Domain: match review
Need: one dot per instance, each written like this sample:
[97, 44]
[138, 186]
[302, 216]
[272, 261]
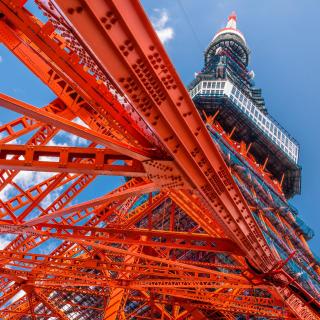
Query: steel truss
[184, 237]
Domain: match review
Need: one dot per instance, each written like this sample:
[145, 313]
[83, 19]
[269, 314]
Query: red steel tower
[199, 229]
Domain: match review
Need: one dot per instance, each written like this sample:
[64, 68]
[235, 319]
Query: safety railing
[264, 122]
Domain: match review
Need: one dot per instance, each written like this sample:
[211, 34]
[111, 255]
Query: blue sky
[284, 40]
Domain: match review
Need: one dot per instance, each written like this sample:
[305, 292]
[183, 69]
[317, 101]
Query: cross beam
[144, 237]
[89, 161]
[64, 124]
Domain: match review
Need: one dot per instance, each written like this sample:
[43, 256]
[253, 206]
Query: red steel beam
[71, 127]
[30, 260]
[118, 194]
[90, 161]
[136, 56]
[41, 137]
[137, 60]
[80, 90]
[79, 212]
[144, 237]
[49, 28]
[17, 128]
[186, 142]
[157, 276]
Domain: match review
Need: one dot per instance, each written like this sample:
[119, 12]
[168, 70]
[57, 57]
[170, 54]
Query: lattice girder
[179, 240]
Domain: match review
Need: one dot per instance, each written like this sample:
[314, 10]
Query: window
[286, 141]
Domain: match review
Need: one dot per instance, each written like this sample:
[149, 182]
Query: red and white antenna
[231, 27]
[232, 21]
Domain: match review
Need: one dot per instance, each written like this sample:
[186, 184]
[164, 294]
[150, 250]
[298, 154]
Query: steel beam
[90, 161]
[144, 237]
[71, 127]
[135, 55]
[56, 65]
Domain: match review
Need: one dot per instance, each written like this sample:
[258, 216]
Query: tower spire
[232, 21]
[231, 28]
[229, 37]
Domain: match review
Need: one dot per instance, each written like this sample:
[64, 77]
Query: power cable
[191, 26]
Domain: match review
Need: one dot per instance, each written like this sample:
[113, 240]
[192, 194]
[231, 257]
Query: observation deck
[270, 140]
[265, 123]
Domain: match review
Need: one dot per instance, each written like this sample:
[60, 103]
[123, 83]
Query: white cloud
[6, 193]
[14, 141]
[26, 179]
[65, 139]
[75, 140]
[159, 22]
[5, 239]
[3, 243]
[80, 122]
[54, 143]
[72, 140]
[16, 297]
